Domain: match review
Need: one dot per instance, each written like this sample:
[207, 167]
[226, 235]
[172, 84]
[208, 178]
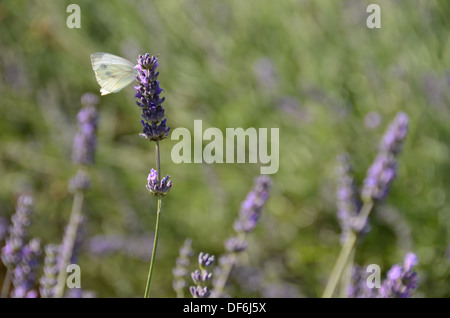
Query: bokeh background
[310, 68]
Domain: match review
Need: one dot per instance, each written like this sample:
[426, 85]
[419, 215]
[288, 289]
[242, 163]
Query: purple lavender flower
[348, 203]
[246, 222]
[252, 206]
[384, 168]
[202, 276]
[149, 100]
[18, 231]
[401, 280]
[24, 275]
[85, 142]
[158, 189]
[181, 269]
[358, 287]
[392, 141]
[199, 292]
[49, 279]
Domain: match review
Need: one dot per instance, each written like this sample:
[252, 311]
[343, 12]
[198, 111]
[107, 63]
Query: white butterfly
[113, 72]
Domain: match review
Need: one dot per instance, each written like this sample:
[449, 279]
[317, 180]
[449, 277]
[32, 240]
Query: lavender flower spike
[156, 189]
[384, 168]
[252, 206]
[24, 275]
[181, 269]
[348, 203]
[149, 100]
[49, 279]
[85, 142]
[202, 276]
[18, 231]
[401, 280]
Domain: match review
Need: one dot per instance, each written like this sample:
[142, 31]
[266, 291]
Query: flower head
[401, 280]
[384, 168]
[85, 141]
[148, 92]
[18, 231]
[161, 188]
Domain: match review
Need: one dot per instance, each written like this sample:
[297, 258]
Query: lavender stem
[346, 251]
[158, 212]
[69, 242]
[6, 283]
[155, 243]
[220, 284]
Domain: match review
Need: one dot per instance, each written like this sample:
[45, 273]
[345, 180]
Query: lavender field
[342, 187]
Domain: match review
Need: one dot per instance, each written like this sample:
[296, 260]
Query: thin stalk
[6, 283]
[155, 243]
[69, 242]
[346, 252]
[158, 213]
[226, 270]
[347, 277]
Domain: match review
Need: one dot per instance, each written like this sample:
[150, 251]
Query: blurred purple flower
[85, 141]
[149, 100]
[49, 279]
[252, 206]
[348, 202]
[18, 231]
[24, 275]
[401, 280]
[358, 287]
[384, 168]
[81, 182]
[136, 247]
[180, 271]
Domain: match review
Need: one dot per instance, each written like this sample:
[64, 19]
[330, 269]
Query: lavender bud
[205, 260]
[199, 292]
[401, 280]
[85, 142]
[156, 189]
[202, 276]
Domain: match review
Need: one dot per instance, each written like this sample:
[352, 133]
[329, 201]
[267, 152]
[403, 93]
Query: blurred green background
[310, 68]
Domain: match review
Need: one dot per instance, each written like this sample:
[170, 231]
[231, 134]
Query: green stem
[69, 242]
[347, 276]
[158, 212]
[346, 252]
[6, 283]
[158, 161]
[155, 243]
[222, 280]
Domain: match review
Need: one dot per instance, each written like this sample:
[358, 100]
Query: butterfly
[112, 72]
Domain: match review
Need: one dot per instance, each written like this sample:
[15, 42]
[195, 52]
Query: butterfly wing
[112, 72]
